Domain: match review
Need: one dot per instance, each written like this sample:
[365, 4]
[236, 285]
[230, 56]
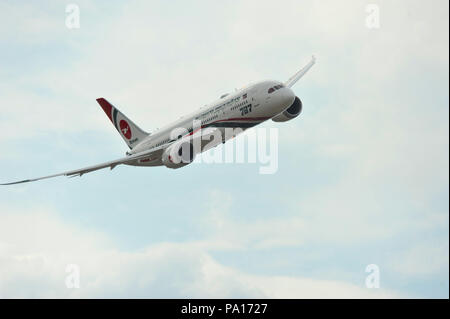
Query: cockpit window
[276, 87]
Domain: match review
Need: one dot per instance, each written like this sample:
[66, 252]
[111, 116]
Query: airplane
[176, 144]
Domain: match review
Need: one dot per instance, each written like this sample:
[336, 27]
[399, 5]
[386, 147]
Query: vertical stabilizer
[130, 132]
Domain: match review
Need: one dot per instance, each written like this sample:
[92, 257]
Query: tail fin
[130, 132]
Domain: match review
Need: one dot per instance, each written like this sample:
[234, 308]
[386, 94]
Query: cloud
[36, 246]
[156, 66]
[367, 159]
[33, 23]
[423, 259]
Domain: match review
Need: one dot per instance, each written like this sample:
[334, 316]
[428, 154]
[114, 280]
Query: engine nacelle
[179, 154]
[290, 113]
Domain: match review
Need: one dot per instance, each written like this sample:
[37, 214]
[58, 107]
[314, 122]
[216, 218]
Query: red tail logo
[125, 129]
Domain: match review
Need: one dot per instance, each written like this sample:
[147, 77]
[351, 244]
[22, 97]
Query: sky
[362, 173]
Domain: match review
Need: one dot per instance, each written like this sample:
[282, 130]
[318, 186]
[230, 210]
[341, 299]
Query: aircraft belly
[156, 162]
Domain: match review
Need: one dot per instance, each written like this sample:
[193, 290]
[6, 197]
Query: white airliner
[176, 144]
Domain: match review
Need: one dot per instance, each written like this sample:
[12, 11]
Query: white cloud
[155, 75]
[36, 247]
[423, 259]
[28, 23]
[394, 151]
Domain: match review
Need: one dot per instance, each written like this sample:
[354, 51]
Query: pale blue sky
[363, 172]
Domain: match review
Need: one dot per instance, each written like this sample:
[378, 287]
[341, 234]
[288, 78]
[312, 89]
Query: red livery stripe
[245, 119]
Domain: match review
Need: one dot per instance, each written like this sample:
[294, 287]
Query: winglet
[293, 79]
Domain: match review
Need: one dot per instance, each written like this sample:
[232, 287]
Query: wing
[79, 172]
[293, 79]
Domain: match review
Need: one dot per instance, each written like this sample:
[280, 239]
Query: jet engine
[290, 113]
[179, 154]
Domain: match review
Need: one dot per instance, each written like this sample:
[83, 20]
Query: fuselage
[243, 109]
[177, 144]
